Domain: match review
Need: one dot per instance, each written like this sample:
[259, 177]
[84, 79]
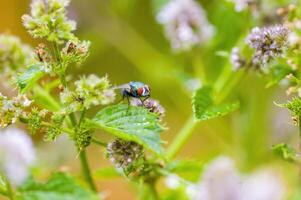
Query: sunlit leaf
[26, 80]
[131, 123]
[59, 187]
[205, 108]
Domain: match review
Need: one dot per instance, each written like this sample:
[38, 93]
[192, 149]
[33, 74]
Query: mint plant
[50, 101]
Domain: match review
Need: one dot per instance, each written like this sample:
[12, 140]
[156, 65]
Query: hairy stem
[83, 158]
[86, 170]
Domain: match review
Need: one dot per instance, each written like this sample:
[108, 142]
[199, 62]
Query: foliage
[60, 186]
[212, 53]
[132, 124]
[205, 108]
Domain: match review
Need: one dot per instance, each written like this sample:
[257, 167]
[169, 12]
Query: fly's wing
[121, 87]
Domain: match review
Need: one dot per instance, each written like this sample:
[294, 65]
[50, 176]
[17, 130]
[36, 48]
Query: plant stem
[149, 192]
[187, 130]
[181, 138]
[10, 192]
[299, 150]
[94, 140]
[83, 158]
[86, 170]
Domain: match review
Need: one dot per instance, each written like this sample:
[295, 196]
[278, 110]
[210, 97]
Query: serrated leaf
[26, 80]
[131, 123]
[204, 107]
[59, 187]
[285, 152]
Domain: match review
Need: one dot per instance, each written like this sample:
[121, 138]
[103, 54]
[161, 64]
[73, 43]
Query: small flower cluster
[57, 120]
[34, 119]
[83, 136]
[16, 155]
[75, 52]
[268, 43]
[12, 108]
[124, 153]
[185, 24]
[14, 55]
[151, 104]
[48, 20]
[89, 91]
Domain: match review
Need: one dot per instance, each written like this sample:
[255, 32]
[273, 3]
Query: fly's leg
[129, 105]
[143, 100]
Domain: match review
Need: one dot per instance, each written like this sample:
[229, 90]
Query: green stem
[198, 65]
[86, 170]
[149, 192]
[83, 158]
[94, 140]
[10, 192]
[299, 150]
[187, 130]
[181, 138]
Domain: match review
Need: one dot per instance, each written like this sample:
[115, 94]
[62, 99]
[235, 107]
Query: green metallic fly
[135, 89]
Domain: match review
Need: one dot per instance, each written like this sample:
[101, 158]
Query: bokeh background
[128, 44]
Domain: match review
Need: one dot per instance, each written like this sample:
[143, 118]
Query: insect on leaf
[131, 123]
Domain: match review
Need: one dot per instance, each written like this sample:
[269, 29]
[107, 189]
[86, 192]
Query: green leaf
[59, 187]
[131, 123]
[108, 172]
[293, 105]
[26, 80]
[277, 73]
[204, 107]
[285, 152]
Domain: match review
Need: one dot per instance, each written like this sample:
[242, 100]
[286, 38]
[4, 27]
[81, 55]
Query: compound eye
[140, 91]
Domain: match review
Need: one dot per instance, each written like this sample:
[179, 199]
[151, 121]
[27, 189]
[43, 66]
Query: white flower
[16, 154]
[172, 181]
[263, 185]
[185, 24]
[222, 181]
[241, 5]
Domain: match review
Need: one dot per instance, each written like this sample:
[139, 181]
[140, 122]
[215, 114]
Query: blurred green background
[128, 44]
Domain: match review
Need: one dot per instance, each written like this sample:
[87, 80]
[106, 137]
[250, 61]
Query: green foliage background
[128, 44]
